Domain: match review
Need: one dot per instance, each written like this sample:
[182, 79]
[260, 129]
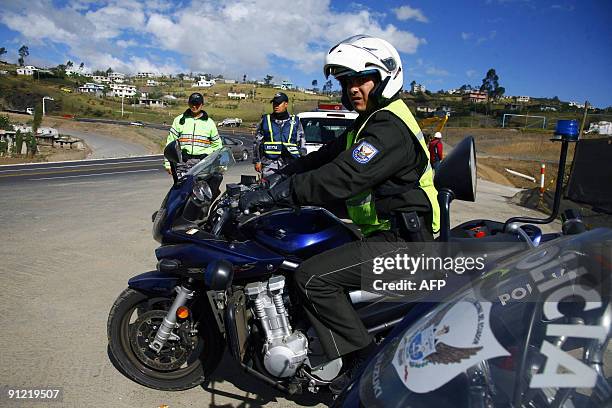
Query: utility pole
[122, 97]
[584, 116]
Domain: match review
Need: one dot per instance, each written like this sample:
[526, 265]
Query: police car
[324, 124]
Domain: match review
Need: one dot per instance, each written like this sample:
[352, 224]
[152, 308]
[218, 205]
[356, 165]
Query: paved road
[69, 247]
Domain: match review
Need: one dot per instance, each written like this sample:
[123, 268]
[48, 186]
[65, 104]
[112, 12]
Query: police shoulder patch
[364, 152]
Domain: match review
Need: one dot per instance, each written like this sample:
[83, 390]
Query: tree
[5, 124]
[2, 51]
[490, 83]
[97, 72]
[31, 144]
[81, 65]
[23, 52]
[244, 78]
[268, 79]
[37, 119]
[499, 92]
[314, 83]
[109, 71]
[69, 64]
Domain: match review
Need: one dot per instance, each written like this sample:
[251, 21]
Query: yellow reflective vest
[361, 208]
[195, 136]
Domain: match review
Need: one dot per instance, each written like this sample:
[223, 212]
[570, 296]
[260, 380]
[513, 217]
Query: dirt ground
[150, 138]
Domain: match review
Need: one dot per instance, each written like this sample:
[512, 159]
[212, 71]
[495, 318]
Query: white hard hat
[438, 135]
[365, 54]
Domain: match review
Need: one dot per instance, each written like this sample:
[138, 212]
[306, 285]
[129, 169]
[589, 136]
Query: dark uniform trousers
[324, 282]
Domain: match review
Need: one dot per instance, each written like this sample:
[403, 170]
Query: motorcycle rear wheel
[181, 365]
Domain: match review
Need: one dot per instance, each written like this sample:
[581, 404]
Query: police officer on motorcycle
[380, 167]
[195, 132]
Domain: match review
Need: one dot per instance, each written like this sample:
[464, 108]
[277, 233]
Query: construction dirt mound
[530, 198]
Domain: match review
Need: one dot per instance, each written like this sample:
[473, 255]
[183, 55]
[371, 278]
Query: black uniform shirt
[391, 167]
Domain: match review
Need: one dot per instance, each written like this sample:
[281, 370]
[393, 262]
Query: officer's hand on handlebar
[252, 199]
[279, 194]
[273, 180]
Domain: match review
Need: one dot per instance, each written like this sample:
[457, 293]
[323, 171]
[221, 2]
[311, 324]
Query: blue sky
[538, 48]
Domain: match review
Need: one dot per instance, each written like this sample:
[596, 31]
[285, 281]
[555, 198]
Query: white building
[122, 90]
[27, 70]
[416, 88]
[91, 88]
[453, 91]
[146, 75]
[203, 84]
[236, 95]
[523, 99]
[116, 75]
[152, 82]
[101, 79]
[152, 102]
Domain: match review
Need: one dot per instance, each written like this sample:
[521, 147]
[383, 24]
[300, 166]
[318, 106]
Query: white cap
[438, 135]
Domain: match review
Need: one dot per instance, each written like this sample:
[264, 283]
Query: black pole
[558, 192]
[445, 197]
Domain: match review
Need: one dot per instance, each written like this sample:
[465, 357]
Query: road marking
[161, 156]
[83, 165]
[91, 175]
[42, 173]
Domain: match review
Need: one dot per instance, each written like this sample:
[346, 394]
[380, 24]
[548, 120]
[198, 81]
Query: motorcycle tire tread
[128, 299]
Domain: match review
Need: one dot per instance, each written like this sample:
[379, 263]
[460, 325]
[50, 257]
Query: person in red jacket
[436, 150]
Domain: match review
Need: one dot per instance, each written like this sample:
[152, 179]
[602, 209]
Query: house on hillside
[236, 95]
[101, 79]
[116, 75]
[474, 97]
[522, 99]
[152, 82]
[417, 88]
[146, 75]
[203, 83]
[95, 89]
[155, 103]
[425, 109]
[27, 70]
[122, 90]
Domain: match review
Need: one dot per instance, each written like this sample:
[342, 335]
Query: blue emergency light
[567, 130]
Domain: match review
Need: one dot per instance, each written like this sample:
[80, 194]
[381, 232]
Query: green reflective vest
[361, 208]
[195, 136]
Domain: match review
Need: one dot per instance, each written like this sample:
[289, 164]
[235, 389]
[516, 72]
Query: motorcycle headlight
[202, 191]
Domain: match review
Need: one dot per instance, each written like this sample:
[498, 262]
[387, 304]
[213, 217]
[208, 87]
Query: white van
[325, 124]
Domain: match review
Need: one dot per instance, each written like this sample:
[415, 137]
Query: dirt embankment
[501, 149]
[151, 139]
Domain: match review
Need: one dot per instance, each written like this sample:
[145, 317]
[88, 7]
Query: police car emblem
[364, 152]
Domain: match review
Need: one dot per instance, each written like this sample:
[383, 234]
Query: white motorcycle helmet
[362, 54]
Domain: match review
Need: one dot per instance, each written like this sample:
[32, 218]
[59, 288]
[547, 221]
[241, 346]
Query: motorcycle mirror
[172, 152]
[457, 172]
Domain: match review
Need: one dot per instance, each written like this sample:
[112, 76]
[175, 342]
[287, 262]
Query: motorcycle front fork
[164, 332]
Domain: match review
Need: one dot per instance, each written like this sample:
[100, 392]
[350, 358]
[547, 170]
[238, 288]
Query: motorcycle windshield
[534, 332]
[217, 162]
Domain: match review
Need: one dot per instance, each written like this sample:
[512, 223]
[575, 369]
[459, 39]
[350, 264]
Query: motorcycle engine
[284, 350]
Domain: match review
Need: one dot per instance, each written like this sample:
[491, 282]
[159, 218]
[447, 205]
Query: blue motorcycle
[224, 279]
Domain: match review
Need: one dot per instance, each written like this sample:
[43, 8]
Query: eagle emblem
[364, 152]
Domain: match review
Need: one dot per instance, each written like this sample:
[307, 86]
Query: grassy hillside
[19, 92]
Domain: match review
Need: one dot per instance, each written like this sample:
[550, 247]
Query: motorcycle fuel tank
[299, 233]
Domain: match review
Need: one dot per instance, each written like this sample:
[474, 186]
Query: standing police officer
[381, 168]
[277, 131]
[195, 132]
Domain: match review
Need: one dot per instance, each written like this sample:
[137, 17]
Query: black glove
[279, 194]
[273, 180]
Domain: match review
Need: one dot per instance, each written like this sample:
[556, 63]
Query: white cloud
[436, 71]
[470, 73]
[491, 36]
[231, 37]
[466, 36]
[408, 13]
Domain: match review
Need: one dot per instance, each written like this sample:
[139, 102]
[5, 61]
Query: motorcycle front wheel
[185, 361]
